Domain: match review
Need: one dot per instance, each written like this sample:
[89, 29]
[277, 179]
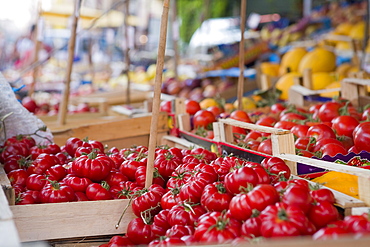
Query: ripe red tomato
[178, 231]
[305, 143]
[203, 118]
[129, 167]
[323, 213]
[19, 148]
[30, 104]
[292, 116]
[170, 199]
[148, 200]
[323, 141]
[71, 145]
[281, 220]
[185, 214]
[21, 138]
[216, 110]
[344, 125]
[330, 232]
[215, 197]
[192, 106]
[95, 191]
[167, 242]
[14, 162]
[287, 125]
[322, 194]
[140, 232]
[217, 228]
[116, 241]
[300, 130]
[357, 223]
[332, 149]
[276, 167]
[36, 182]
[277, 108]
[76, 183]
[24, 199]
[361, 136]
[166, 106]
[319, 131]
[240, 179]
[265, 146]
[266, 121]
[140, 177]
[18, 176]
[251, 227]
[93, 166]
[166, 164]
[54, 192]
[329, 110]
[242, 116]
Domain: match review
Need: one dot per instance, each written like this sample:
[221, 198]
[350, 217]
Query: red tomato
[344, 125]
[166, 242]
[56, 172]
[263, 176]
[361, 136]
[24, 199]
[265, 146]
[71, 145]
[140, 232]
[178, 231]
[77, 184]
[203, 118]
[124, 190]
[36, 182]
[42, 163]
[282, 220]
[322, 194]
[305, 143]
[166, 106]
[117, 241]
[217, 228]
[21, 138]
[239, 179]
[54, 192]
[267, 121]
[192, 190]
[323, 213]
[319, 131]
[332, 149]
[160, 223]
[292, 116]
[276, 167]
[329, 110]
[287, 125]
[300, 130]
[277, 108]
[185, 214]
[93, 166]
[14, 162]
[19, 148]
[242, 116]
[298, 196]
[215, 197]
[216, 110]
[95, 191]
[166, 164]
[140, 177]
[251, 227]
[192, 106]
[170, 199]
[357, 223]
[115, 178]
[330, 232]
[148, 200]
[18, 176]
[323, 141]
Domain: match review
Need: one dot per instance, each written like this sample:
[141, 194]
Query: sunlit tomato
[140, 231]
[332, 149]
[357, 223]
[242, 116]
[35, 182]
[98, 191]
[292, 116]
[251, 227]
[266, 121]
[216, 110]
[166, 106]
[330, 232]
[185, 214]
[299, 196]
[277, 168]
[217, 228]
[240, 179]
[192, 106]
[323, 213]
[93, 166]
[215, 197]
[287, 125]
[148, 200]
[329, 110]
[71, 145]
[344, 125]
[18, 176]
[178, 231]
[203, 118]
[323, 141]
[265, 146]
[300, 130]
[319, 131]
[361, 136]
[305, 143]
[54, 192]
[253, 135]
[277, 108]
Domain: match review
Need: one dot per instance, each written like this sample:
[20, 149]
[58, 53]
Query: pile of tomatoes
[196, 196]
[329, 128]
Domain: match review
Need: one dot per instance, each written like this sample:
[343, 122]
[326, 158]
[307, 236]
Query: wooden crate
[8, 232]
[91, 218]
[283, 147]
[356, 91]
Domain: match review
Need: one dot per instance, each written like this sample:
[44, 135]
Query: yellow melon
[344, 28]
[358, 31]
[291, 60]
[285, 82]
[342, 70]
[343, 45]
[318, 60]
[271, 69]
[335, 84]
[320, 80]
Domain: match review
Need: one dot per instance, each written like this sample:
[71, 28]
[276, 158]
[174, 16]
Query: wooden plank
[284, 144]
[8, 232]
[184, 122]
[73, 219]
[360, 210]
[174, 141]
[250, 126]
[362, 174]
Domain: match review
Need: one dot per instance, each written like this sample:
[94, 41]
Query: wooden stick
[38, 42]
[127, 53]
[71, 51]
[241, 54]
[175, 38]
[157, 94]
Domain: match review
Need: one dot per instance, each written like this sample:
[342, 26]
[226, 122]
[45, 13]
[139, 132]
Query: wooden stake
[71, 52]
[157, 94]
[38, 43]
[243, 10]
[127, 53]
[175, 37]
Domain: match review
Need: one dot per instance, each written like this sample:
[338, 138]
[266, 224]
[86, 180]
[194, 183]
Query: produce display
[196, 196]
